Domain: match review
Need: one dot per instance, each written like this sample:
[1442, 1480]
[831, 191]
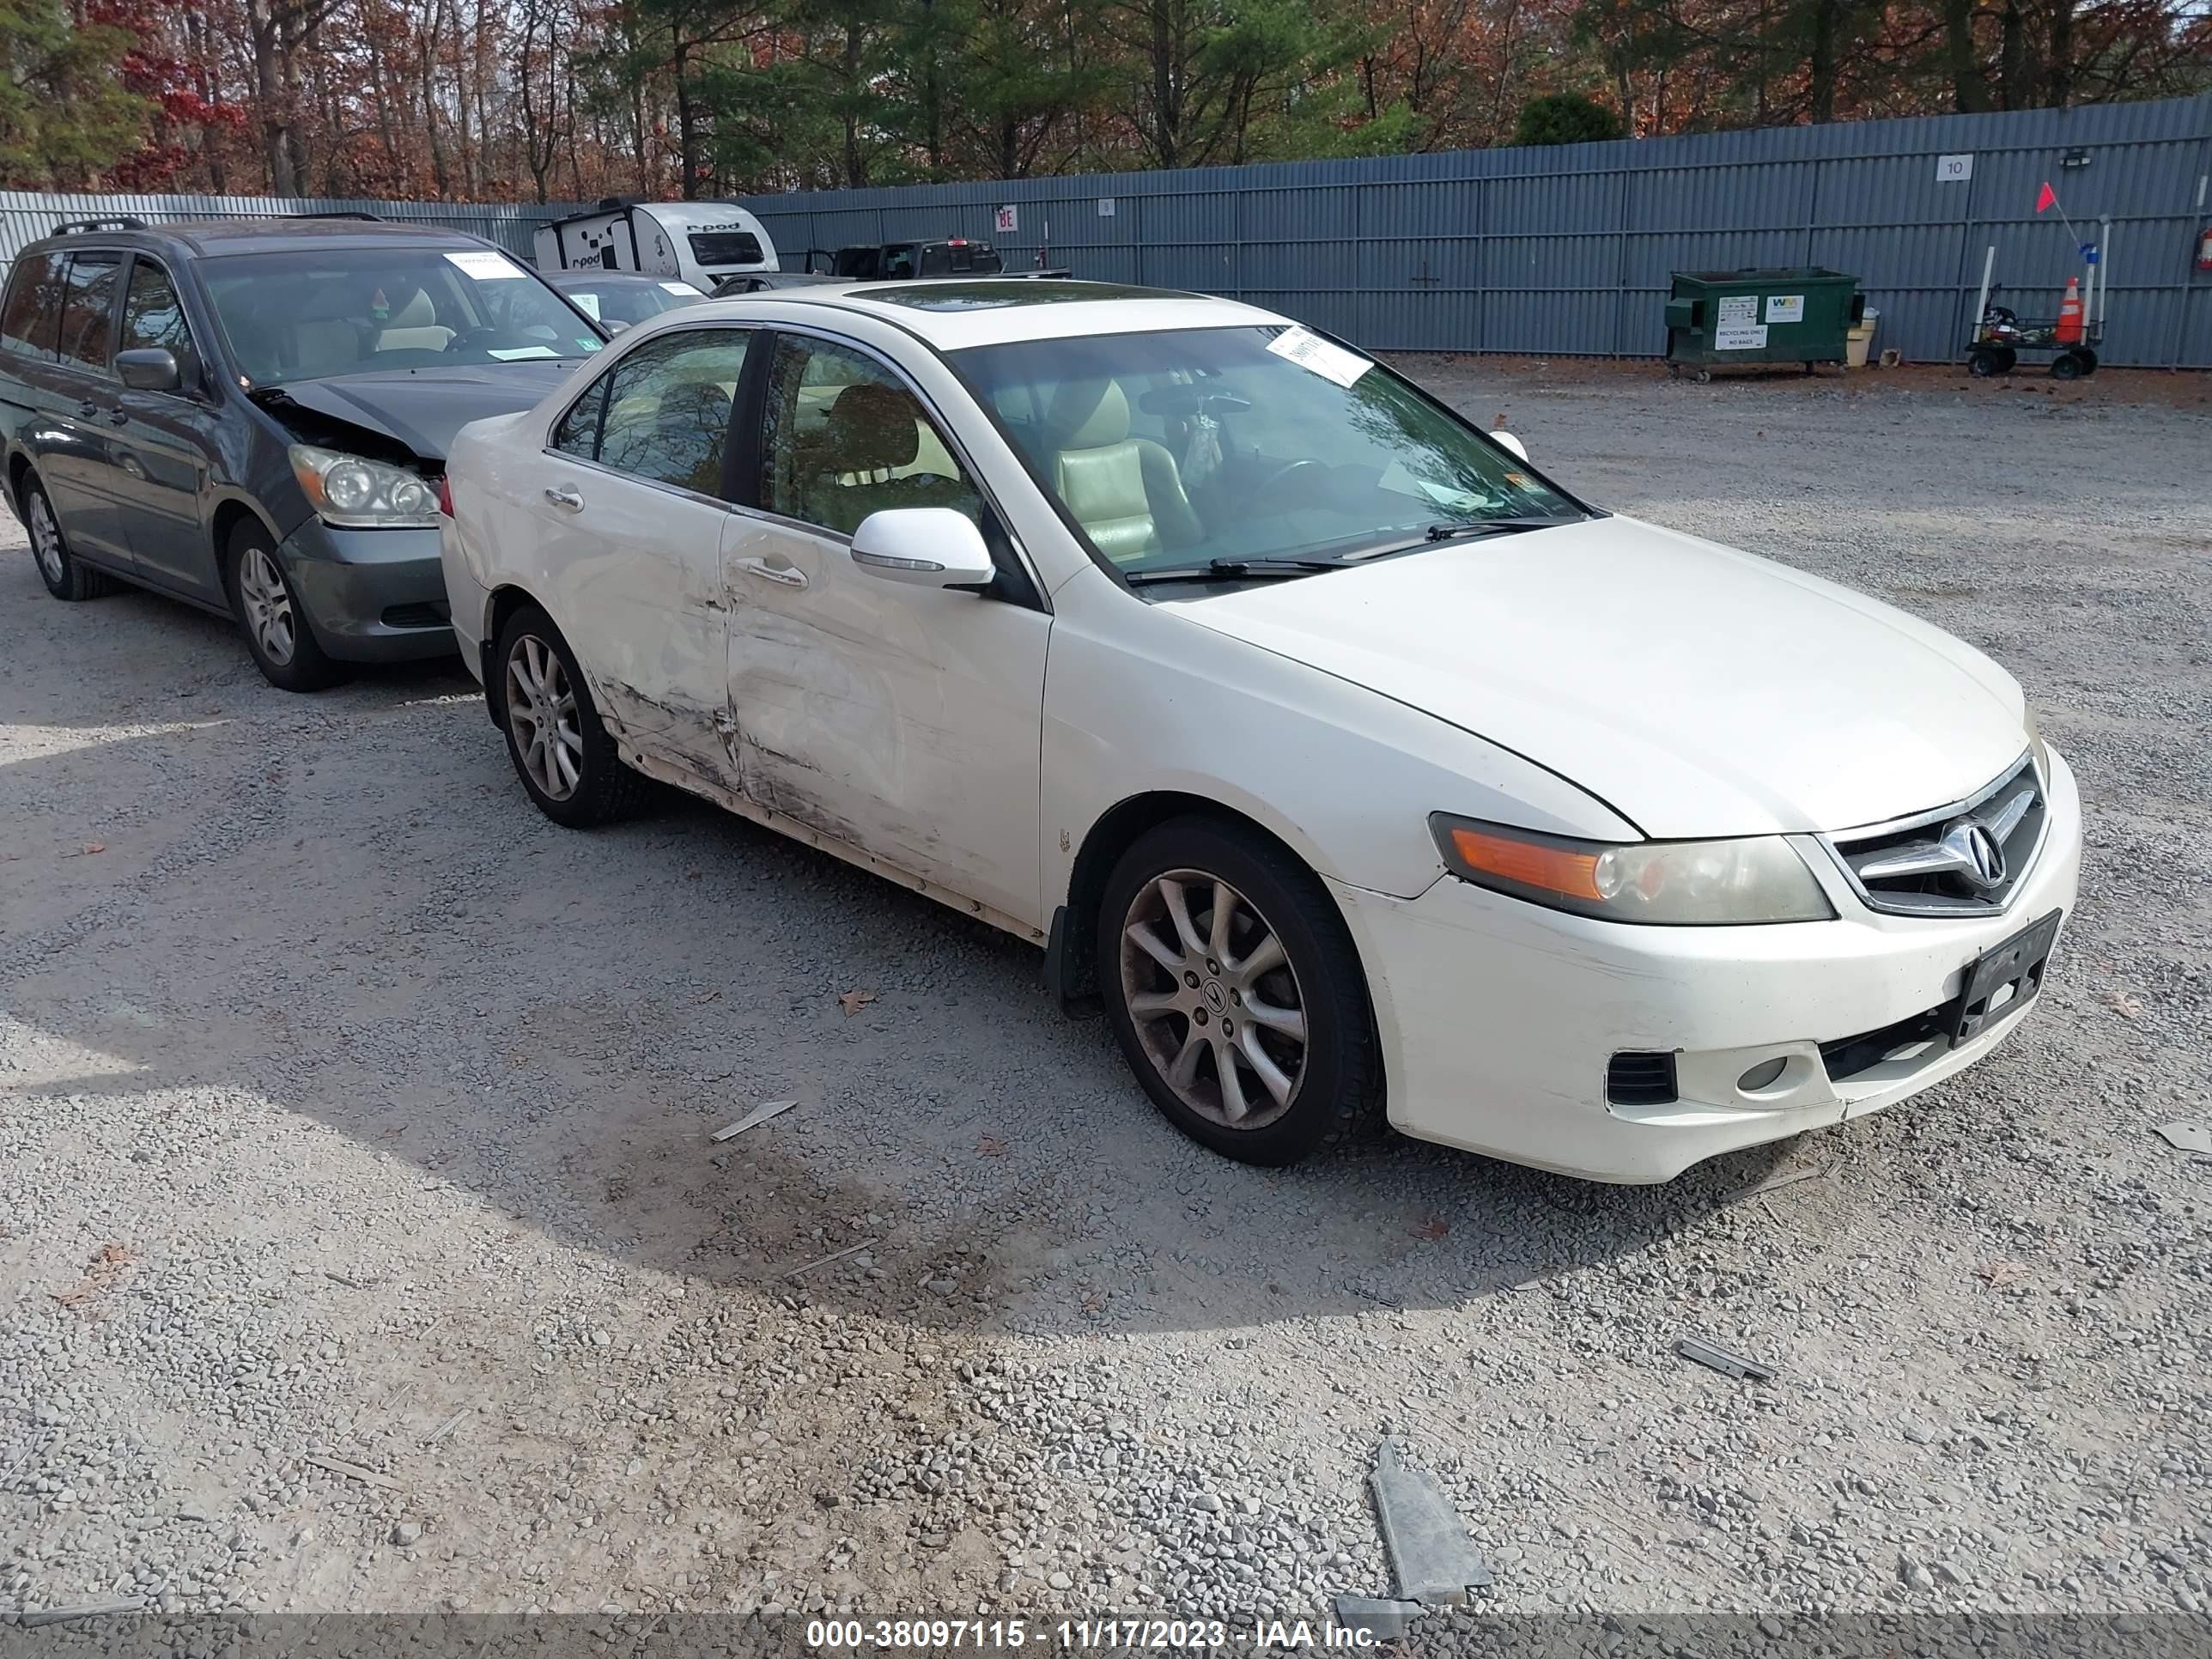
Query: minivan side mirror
[1507, 441]
[150, 369]
[924, 546]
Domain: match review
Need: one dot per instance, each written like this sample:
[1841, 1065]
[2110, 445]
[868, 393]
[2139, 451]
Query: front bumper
[370, 595]
[1497, 1018]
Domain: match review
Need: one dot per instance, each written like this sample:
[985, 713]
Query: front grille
[1962, 860]
[1640, 1079]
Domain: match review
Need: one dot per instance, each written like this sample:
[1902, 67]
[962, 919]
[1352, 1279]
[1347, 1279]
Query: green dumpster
[1787, 314]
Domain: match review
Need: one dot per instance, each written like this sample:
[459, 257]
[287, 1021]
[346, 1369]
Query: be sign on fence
[1954, 169]
[1009, 221]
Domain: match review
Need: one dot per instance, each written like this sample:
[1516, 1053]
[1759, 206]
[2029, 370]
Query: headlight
[2038, 750]
[1683, 883]
[358, 494]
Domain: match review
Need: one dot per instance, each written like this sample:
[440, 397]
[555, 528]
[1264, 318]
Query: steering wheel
[1289, 470]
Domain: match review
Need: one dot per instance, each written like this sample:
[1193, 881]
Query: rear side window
[726, 247]
[151, 315]
[87, 332]
[668, 408]
[577, 434]
[28, 315]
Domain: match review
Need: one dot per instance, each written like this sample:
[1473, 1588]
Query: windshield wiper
[1213, 567]
[1453, 529]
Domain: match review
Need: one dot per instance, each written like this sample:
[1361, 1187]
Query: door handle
[119, 417]
[789, 575]
[88, 408]
[566, 499]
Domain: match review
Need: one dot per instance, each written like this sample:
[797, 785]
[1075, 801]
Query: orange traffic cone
[2069, 314]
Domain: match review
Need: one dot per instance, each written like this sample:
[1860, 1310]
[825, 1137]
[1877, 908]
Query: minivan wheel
[66, 577]
[1234, 990]
[555, 737]
[270, 614]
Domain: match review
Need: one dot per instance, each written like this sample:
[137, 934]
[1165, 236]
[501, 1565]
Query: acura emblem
[1975, 854]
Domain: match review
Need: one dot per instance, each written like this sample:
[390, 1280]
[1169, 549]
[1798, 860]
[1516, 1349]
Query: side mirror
[150, 369]
[1507, 441]
[924, 546]
[616, 325]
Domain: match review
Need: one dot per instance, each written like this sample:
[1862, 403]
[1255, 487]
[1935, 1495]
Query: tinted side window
[88, 308]
[668, 408]
[844, 438]
[578, 433]
[151, 314]
[33, 303]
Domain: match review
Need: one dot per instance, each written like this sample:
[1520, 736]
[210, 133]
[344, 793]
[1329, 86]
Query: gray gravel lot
[353, 1119]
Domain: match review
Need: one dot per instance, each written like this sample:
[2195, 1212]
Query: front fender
[1139, 700]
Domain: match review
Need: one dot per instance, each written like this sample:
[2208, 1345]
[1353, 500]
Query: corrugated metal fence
[1556, 251]
[1567, 251]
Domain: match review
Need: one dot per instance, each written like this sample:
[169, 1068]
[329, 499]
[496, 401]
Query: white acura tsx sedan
[1349, 761]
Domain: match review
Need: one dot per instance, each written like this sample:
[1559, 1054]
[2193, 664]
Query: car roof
[952, 313]
[213, 238]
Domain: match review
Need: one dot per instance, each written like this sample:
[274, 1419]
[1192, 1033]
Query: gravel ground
[361, 1246]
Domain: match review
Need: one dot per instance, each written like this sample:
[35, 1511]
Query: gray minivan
[253, 415]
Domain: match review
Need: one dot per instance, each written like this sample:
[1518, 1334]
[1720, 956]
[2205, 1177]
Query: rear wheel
[270, 616]
[2067, 366]
[66, 576]
[1234, 990]
[560, 748]
[1986, 363]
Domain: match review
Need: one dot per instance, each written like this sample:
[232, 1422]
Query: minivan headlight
[358, 494]
[1759, 879]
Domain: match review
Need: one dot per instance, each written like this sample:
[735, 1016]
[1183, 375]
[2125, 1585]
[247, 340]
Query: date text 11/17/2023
[1105, 1634]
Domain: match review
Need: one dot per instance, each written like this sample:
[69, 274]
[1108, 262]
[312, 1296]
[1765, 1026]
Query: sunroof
[997, 296]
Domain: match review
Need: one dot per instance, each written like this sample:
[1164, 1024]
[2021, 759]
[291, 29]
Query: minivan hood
[422, 407]
[1696, 689]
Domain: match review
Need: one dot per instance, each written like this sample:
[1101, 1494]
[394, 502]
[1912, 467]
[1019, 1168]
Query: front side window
[87, 322]
[31, 311]
[1175, 449]
[151, 315]
[306, 316]
[844, 438]
[667, 416]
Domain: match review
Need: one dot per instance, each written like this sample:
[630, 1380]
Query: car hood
[1696, 689]
[422, 407]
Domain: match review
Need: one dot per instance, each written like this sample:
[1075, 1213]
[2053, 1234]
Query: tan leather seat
[868, 460]
[1125, 492]
[413, 327]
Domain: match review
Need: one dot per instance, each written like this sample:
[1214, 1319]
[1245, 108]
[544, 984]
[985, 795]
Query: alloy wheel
[541, 714]
[268, 605]
[1215, 1003]
[45, 536]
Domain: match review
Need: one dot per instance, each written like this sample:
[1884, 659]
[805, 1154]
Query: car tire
[1182, 997]
[554, 737]
[269, 613]
[66, 576]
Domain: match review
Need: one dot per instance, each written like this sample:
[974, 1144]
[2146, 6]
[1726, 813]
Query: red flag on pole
[2049, 198]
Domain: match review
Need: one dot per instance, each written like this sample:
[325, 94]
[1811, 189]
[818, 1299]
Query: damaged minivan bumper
[1500, 1021]
[371, 595]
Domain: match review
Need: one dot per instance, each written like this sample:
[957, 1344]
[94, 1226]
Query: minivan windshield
[1205, 449]
[306, 316]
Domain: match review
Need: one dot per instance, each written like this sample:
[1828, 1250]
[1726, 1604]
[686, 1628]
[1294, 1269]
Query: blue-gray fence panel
[1565, 251]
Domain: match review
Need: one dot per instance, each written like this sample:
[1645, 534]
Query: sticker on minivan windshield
[486, 266]
[1310, 352]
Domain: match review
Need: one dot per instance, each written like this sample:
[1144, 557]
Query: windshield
[630, 302]
[1175, 449]
[306, 316]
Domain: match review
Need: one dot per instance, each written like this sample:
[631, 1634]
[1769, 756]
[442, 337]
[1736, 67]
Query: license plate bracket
[2001, 978]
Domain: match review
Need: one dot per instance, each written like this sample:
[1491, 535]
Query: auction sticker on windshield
[1310, 352]
[487, 266]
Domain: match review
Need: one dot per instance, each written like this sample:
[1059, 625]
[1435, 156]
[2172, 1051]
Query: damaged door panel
[904, 720]
[629, 534]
